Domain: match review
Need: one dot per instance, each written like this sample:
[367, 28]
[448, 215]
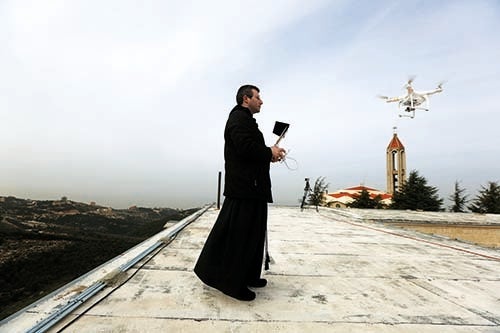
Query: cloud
[126, 102]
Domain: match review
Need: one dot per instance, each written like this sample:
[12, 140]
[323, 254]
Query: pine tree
[317, 196]
[458, 198]
[363, 200]
[488, 199]
[416, 194]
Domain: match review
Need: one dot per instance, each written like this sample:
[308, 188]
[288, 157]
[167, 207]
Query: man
[231, 260]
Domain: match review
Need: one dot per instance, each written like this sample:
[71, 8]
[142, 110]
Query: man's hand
[278, 153]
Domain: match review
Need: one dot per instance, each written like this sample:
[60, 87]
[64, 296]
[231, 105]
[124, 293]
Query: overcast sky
[124, 102]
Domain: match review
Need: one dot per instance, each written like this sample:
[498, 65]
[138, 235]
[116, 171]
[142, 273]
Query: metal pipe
[50, 321]
[57, 316]
[140, 256]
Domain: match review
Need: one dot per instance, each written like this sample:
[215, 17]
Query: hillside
[45, 244]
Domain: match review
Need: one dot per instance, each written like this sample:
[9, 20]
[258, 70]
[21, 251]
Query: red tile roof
[360, 188]
[395, 143]
[339, 195]
[353, 192]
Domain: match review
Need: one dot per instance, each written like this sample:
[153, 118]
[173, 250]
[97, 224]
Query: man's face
[254, 103]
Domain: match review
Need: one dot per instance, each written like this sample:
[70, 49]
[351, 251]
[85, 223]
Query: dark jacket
[247, 158]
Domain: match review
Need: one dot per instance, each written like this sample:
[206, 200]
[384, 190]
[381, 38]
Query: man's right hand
[278, 153]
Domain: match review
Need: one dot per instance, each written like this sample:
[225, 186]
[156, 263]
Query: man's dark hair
[245, 90]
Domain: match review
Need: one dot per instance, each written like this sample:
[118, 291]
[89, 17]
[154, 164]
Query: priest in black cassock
[231, 260]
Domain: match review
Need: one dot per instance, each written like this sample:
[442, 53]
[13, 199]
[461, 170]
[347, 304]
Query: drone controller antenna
[280, 137]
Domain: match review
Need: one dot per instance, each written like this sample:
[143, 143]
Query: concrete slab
[333, 271]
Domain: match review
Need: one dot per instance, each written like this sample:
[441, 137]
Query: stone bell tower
[396, 164]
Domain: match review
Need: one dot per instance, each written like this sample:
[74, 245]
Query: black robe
[232, 255]
[247, 158]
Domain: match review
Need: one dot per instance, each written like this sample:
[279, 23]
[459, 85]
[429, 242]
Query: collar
[244, 109]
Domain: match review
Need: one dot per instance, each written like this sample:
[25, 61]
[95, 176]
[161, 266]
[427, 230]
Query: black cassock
[233, 253]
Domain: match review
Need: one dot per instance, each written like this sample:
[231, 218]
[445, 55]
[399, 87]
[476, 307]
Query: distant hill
[45, 244]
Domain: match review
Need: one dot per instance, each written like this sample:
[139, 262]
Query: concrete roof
[333, 271]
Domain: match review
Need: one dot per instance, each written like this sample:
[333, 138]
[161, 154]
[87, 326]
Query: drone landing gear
[412, 110]
[408, 109]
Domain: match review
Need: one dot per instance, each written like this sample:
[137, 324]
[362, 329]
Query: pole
[218, 190]
[306, 191]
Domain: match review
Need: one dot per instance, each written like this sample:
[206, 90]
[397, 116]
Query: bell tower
[396, 164]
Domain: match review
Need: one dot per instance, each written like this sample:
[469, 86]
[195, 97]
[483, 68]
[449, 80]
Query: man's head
[249, 97]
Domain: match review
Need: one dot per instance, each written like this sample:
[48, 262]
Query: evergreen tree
[317, 196]
[488, 199]
[416, 194]
[378, 202]
[458, 198]
[362, 200]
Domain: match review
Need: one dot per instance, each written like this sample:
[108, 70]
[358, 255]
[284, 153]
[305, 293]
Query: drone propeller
[440, 84]
[411, 78]
[383, 97]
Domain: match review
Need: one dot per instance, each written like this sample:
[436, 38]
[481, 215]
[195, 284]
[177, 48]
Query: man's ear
[245, 99]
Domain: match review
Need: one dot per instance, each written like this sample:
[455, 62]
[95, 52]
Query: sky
[124, 102]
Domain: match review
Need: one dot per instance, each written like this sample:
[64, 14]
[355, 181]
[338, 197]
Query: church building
[396, 176]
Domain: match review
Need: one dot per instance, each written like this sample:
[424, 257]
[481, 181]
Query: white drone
[413, 100]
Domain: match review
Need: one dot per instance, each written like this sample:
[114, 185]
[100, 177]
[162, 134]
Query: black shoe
[244, 294]
[258, 283]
